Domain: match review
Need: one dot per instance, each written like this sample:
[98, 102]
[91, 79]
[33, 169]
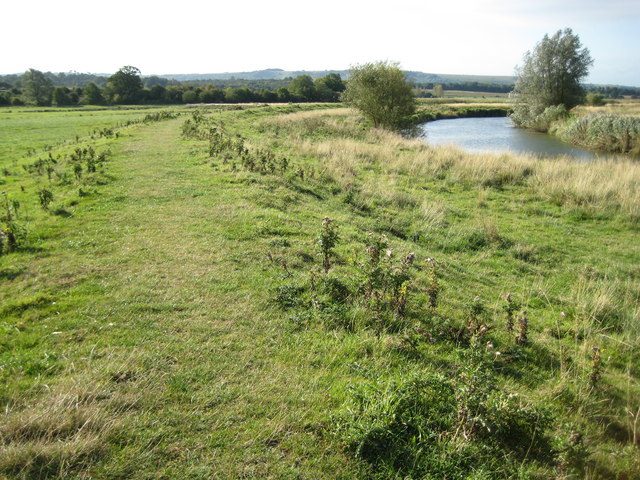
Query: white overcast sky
[487, 37]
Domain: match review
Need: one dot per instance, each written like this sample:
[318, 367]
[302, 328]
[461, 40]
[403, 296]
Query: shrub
[532, 118]
[594, 99]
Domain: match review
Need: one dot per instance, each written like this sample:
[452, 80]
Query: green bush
[533, 118]
[594, 99]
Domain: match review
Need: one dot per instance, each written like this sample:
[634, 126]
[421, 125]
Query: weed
[571, 457]
[12, 232]
[434, 426]
[288, 296]
[327, 241]
[46, 197]
[476, 322]
[433, 287]
[510, 307]
[523, 329]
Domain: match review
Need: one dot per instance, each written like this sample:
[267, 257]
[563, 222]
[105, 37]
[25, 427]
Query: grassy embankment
[169, 313]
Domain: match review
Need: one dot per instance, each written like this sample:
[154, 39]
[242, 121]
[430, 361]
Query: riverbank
[607, 133]
[498, 135]
[428, 112]
[611, 129]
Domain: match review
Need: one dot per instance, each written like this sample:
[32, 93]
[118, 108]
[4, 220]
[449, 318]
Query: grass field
[176, 307]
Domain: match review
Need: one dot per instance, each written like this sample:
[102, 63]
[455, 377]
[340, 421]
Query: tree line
[127, 87]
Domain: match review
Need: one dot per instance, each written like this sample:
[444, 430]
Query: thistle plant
[510, 308]
[11, 232]
[523, 326]
[400, 283]
[46, 197]
[476, 316]
[373, 271]
[433, 288]
[327, 240]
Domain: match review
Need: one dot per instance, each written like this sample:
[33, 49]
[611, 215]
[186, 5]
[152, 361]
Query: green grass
[178, 323]
[25, 128]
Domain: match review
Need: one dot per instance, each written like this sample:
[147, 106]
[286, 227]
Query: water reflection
[496, 135]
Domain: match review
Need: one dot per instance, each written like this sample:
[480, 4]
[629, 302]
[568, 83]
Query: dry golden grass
[70, 422]
[611, 184]
[617, 107]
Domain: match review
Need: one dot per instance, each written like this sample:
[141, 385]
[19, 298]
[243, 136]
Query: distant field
[480, 96]
[282, 292]
[25, 128]
[626, 107]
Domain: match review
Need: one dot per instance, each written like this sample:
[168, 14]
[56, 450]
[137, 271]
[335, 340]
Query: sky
[481, 37]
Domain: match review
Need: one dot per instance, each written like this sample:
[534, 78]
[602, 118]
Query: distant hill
[279, 74]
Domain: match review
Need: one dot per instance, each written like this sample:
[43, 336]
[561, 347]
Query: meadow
[283, 292]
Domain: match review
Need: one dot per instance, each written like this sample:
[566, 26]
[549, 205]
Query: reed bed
[603, 132]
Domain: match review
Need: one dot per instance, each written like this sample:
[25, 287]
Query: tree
[283, 94]
[438, 91]
[125, 86]
[91, 95]
[334, 82]
[381, 93]
[61, 96]
[550, 76]
[212, 95]
[329, 87]
[156, 93]
[303, 88]
[37, 88]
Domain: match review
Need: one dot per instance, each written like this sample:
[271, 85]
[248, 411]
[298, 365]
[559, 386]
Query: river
[497, 135]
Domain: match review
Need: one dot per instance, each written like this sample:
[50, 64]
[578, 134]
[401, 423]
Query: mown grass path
[160, 288]
[189, 282]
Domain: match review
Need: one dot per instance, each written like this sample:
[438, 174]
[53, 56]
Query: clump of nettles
[444, 425]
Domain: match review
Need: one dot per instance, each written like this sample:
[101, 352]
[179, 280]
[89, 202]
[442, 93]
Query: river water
[497, 135]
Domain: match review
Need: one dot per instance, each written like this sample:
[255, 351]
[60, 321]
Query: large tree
[125, 86]
[91, 95]
[381, 92]
[303, 88]
[550, 76]
[37, 88]
[61, 96]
